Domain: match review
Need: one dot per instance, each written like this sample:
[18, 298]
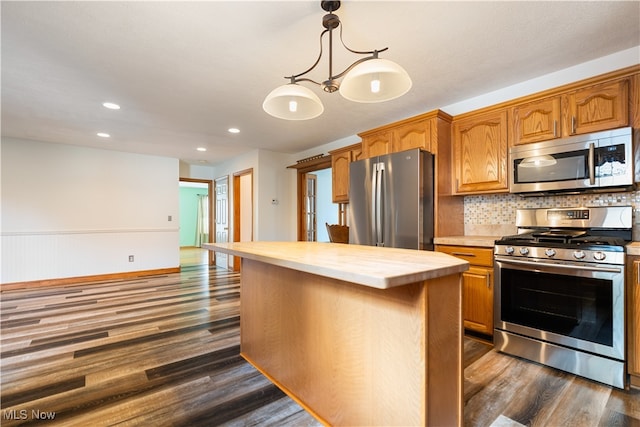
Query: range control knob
[550, 252]
[599, 256]
[524, 251]
[578, 254]
[509, 250]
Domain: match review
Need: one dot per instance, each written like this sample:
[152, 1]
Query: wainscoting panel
[29, 256]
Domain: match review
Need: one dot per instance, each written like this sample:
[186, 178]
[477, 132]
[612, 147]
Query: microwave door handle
[592, 164]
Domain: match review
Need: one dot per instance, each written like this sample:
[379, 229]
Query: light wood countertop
[479, 241]
[371, 266]
[633, 248]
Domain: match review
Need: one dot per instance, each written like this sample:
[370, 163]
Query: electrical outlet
[130, 258]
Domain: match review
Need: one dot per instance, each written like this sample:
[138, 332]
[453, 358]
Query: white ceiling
[184, 72]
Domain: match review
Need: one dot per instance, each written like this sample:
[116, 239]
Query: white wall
[70, 211]
[195, 171]
[270, 181]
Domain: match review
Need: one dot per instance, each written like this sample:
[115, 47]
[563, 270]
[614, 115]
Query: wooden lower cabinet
[477, 287]
[633, 319]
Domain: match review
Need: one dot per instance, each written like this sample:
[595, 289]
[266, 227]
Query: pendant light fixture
[368, 79]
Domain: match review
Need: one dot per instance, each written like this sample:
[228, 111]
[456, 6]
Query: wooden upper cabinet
[377, 144]
[537, 121]
[480, 153]
[590, 109]
[340, 160]
[412, 135]
[600, 107]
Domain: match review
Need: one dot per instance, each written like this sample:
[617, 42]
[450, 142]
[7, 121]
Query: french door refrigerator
[391, 200]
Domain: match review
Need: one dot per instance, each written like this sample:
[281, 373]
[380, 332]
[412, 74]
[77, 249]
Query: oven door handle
[568, 267]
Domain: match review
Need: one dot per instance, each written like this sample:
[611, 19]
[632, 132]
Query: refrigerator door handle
[379, 204]
[374, 202]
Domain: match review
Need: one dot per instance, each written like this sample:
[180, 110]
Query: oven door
[576, 305]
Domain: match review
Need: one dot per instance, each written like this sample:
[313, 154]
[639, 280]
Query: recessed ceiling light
[111, 105]
[201, 149]
[234, 130]
[103, 135]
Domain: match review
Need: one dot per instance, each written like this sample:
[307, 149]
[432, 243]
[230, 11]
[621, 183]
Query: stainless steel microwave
[598, 161]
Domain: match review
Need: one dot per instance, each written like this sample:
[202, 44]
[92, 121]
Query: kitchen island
[357, 335]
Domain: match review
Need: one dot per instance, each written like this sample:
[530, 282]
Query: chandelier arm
[374, 52]
[294, 78]
[359, 61]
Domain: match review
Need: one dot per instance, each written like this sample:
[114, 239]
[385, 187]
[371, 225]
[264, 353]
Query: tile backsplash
[494, 214]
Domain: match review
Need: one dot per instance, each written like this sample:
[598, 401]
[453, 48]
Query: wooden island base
[353, 354]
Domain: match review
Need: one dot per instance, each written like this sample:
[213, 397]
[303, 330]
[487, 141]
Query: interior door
[222, 218]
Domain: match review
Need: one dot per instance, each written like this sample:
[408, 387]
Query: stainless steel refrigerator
[391, 200]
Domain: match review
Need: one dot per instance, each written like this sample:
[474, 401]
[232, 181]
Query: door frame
[209, 182]
[236, 210]
[303, 167]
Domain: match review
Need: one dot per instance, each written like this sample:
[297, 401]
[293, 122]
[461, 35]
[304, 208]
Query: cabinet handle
[488, 281]
[573, 125]
[555, 128]
[638, 273]
[463, 254]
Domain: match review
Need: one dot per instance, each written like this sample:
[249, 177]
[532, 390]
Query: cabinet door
[412, 135]
[633, 319]
[596, 108]
[477, 286]
[480, 154]
[340, 176]
[377, 144]
[537, 121]
[356, 154]
[477, 299]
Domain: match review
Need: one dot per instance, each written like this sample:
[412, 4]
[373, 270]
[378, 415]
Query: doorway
[196, 222]
[315, 201]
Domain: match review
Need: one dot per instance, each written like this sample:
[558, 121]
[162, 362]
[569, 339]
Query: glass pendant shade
[293, 102]
[375, 80]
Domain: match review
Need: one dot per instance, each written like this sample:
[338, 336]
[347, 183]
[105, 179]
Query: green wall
[188, 214]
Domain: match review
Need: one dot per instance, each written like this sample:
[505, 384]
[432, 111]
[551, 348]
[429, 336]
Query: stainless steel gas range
[559, 292]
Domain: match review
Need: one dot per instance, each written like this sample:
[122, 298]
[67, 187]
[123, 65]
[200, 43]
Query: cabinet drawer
[474, 255]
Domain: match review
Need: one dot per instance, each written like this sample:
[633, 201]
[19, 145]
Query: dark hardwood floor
[164, 351]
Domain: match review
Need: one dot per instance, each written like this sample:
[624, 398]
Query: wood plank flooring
[191, 256]
[164, 351]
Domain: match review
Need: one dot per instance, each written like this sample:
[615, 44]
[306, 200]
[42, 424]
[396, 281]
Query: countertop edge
[633, 248]
[454, 266]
